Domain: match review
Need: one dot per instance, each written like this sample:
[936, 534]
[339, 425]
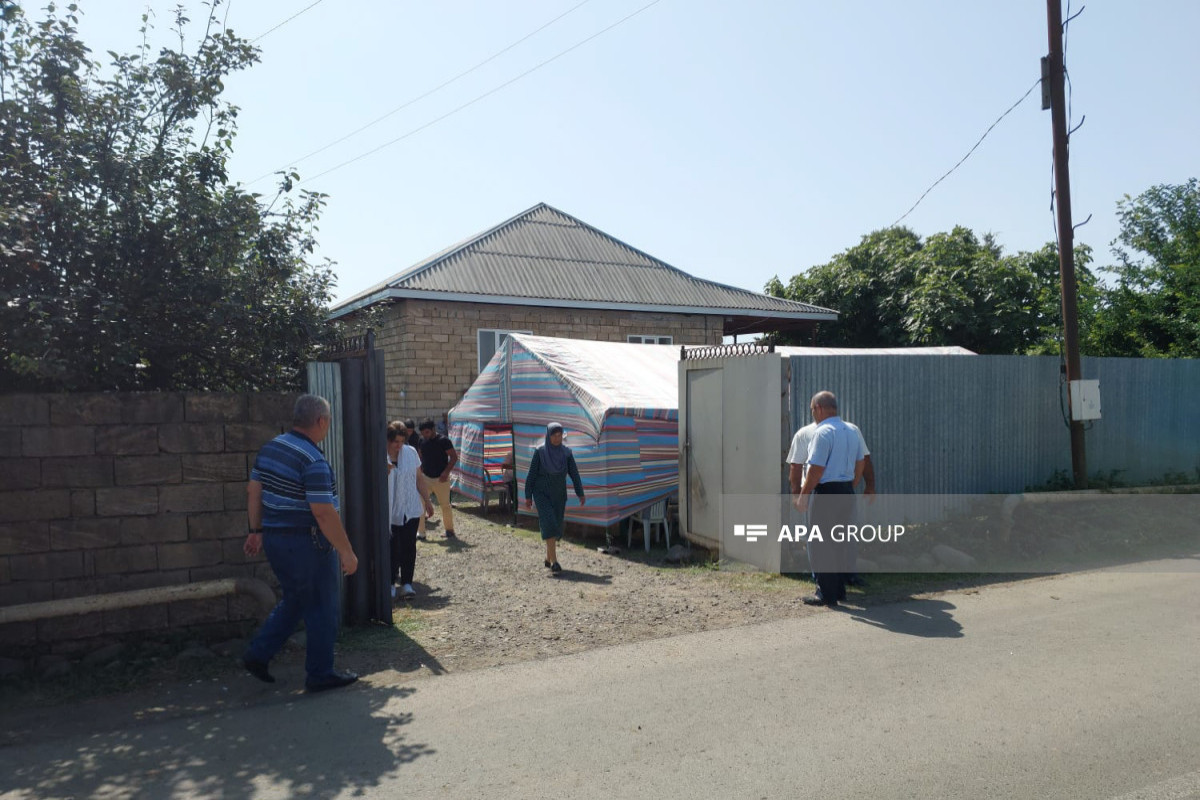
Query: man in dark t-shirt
[413, 438]
[437, 462]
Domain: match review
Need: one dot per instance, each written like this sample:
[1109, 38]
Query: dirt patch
[488, 598]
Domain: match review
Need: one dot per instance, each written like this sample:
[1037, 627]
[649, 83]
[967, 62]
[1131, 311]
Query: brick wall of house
[431, 348]
[112, 492]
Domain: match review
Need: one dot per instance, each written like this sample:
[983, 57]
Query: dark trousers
[404, 551]
[832, 505]
[307, 569]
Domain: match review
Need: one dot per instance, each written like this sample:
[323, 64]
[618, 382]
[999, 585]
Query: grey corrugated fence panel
[325, 380]
[975, 424]
[946, 424]
[1150, 418]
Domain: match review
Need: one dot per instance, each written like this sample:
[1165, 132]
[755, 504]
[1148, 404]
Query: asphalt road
[1080, 686]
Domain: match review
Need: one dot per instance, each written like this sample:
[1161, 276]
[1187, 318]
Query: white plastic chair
[654, 514]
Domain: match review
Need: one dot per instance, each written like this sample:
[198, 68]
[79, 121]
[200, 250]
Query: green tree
[868, 285]
[1153, 309]
[1048, 318]
[128, 260]
[894, 289]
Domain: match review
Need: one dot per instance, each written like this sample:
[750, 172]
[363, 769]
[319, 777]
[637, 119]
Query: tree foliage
[1153, 308]
[894, 289]
[128, 259]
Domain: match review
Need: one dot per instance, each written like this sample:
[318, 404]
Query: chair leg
[647, 532]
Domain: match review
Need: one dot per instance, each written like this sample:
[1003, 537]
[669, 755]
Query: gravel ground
[488, 599]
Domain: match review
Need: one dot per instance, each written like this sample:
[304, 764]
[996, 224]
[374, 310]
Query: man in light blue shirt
[836, 458]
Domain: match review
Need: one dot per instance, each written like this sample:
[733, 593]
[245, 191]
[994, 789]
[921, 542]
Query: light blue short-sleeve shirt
[837, 448]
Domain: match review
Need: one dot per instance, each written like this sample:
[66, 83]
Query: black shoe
[334, 680]
[549, 565]
[817, 600]
[450, 535]
[421, 537]
[555, 567]
[258, 669]
[856, 580]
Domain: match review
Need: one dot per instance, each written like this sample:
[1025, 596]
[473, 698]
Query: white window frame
[645, 338]
[498, 336]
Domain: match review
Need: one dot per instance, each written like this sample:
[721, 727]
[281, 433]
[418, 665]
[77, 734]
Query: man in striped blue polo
[836, 457]
[292, 506]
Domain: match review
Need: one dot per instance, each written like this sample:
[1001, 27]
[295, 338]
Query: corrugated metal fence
[325, 380]
[976, 424]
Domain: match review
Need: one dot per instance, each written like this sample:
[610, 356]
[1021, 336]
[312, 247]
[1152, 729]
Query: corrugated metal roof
[935, 350]
[544, 254]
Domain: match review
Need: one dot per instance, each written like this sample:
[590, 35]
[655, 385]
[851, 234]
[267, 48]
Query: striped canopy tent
[618, 404]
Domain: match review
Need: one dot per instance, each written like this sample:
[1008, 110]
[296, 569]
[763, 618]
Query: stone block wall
[431, 347]
[111, 492]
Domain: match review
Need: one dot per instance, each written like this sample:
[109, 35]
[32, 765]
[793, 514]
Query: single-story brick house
[546, 273]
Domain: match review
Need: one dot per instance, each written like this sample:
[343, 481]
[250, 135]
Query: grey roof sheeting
[544, 254]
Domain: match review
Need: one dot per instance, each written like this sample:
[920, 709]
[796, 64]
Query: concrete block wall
[431, 347]
[111, 492]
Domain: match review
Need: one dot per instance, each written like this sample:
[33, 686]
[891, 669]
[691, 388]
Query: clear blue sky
[736, 141]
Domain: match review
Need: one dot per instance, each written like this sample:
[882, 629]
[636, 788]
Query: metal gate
[351, 378]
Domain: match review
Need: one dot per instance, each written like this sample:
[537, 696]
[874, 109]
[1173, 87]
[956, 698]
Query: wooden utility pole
[1053, 75]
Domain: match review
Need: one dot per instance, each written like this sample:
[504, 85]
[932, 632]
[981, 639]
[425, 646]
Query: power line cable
[286, 21]
[486, 94]
[420, 97]
[969, 152]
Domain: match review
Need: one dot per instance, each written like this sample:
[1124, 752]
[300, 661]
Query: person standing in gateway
[406, 504]
[292, 507]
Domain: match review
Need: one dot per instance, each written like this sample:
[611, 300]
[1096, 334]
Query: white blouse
[404, 498]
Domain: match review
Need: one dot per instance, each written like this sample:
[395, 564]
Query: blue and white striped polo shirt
[293, 473]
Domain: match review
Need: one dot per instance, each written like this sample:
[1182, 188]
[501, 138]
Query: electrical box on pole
[1085, 400]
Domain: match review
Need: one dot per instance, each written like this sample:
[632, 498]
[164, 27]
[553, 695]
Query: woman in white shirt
[405, 506]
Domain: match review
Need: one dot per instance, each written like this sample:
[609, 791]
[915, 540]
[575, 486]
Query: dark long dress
[549, 492]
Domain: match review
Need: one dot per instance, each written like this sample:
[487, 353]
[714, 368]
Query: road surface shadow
[926, 618]
[345, 741]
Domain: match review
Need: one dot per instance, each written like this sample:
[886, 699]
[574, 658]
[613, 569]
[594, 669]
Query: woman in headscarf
[546, 485]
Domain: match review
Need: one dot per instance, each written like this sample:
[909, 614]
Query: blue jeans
[307, 569]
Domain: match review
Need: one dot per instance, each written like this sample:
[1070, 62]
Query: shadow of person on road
[926, 618]
[347, 741]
